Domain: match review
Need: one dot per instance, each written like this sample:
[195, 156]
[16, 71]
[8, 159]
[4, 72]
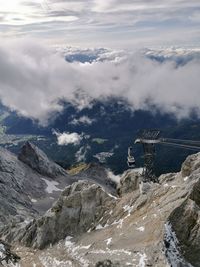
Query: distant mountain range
[176, 54]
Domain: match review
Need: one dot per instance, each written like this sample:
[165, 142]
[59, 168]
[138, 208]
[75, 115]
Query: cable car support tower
[149, 139]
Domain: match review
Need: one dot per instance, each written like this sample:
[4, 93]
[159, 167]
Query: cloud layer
[98, 22]
[34, 79]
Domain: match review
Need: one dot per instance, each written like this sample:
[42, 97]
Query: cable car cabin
[130, 158]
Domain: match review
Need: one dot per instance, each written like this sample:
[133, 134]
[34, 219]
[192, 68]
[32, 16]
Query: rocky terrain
[29, 183]
[145, 225]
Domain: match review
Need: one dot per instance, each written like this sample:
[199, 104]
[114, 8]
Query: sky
[111, 23]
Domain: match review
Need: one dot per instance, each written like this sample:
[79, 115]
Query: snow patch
[172, 250]
[111, 252]
[68, 241]
[128, 209]
[109, 194]
[118, 223]
[141, 229]
[143, 258]
[51, 186]
[99, 227]
[108, 241]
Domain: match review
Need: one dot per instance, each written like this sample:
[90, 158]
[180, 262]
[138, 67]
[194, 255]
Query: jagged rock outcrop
[17, 183]
[98, 174]
[87, 225]
[24, 191]
[38, 161]
[185, 222]
[78, 209]
[129, 182]
[7, 257]
[191, 164]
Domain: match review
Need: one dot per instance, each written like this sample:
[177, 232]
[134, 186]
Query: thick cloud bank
[33, 80]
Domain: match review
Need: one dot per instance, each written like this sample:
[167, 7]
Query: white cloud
[113, 177]
[102, 21]
[68, 138]
[82, 120]
[33, 79]
[82, 152]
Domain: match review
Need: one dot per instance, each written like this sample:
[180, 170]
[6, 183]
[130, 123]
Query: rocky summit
[38, 161]
[25, 191]
[151, 224]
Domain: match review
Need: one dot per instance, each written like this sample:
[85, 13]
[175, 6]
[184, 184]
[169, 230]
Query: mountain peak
[38, 160]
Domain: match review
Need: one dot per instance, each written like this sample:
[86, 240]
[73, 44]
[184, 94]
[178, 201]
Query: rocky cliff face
[7, 257]
[38, 161]
[98, 174]
[24, 191]
[185, 219]
[147, 225]
[78, 209]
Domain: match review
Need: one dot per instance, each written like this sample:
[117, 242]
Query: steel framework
[149, 138]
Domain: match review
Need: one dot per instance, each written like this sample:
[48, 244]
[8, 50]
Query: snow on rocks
[143, 259]
[68, 241]
[172, 250]
[48, 261]
[99, 227]
[51, 186]
[108, 241]
[141, 229]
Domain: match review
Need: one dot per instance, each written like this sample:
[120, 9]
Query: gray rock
[185, 222]
[134, 229]
[107, 263]
[38, 161]
[77, 210]
[6, 255]
[144, 187]
[98, 174]
[191, 164]
[20, 184]
[129, 182]
[17, 183]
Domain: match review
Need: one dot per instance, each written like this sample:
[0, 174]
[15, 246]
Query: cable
[181, 140]
[181, 145]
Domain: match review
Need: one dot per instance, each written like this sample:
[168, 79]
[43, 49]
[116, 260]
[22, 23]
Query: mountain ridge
[144, 226]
